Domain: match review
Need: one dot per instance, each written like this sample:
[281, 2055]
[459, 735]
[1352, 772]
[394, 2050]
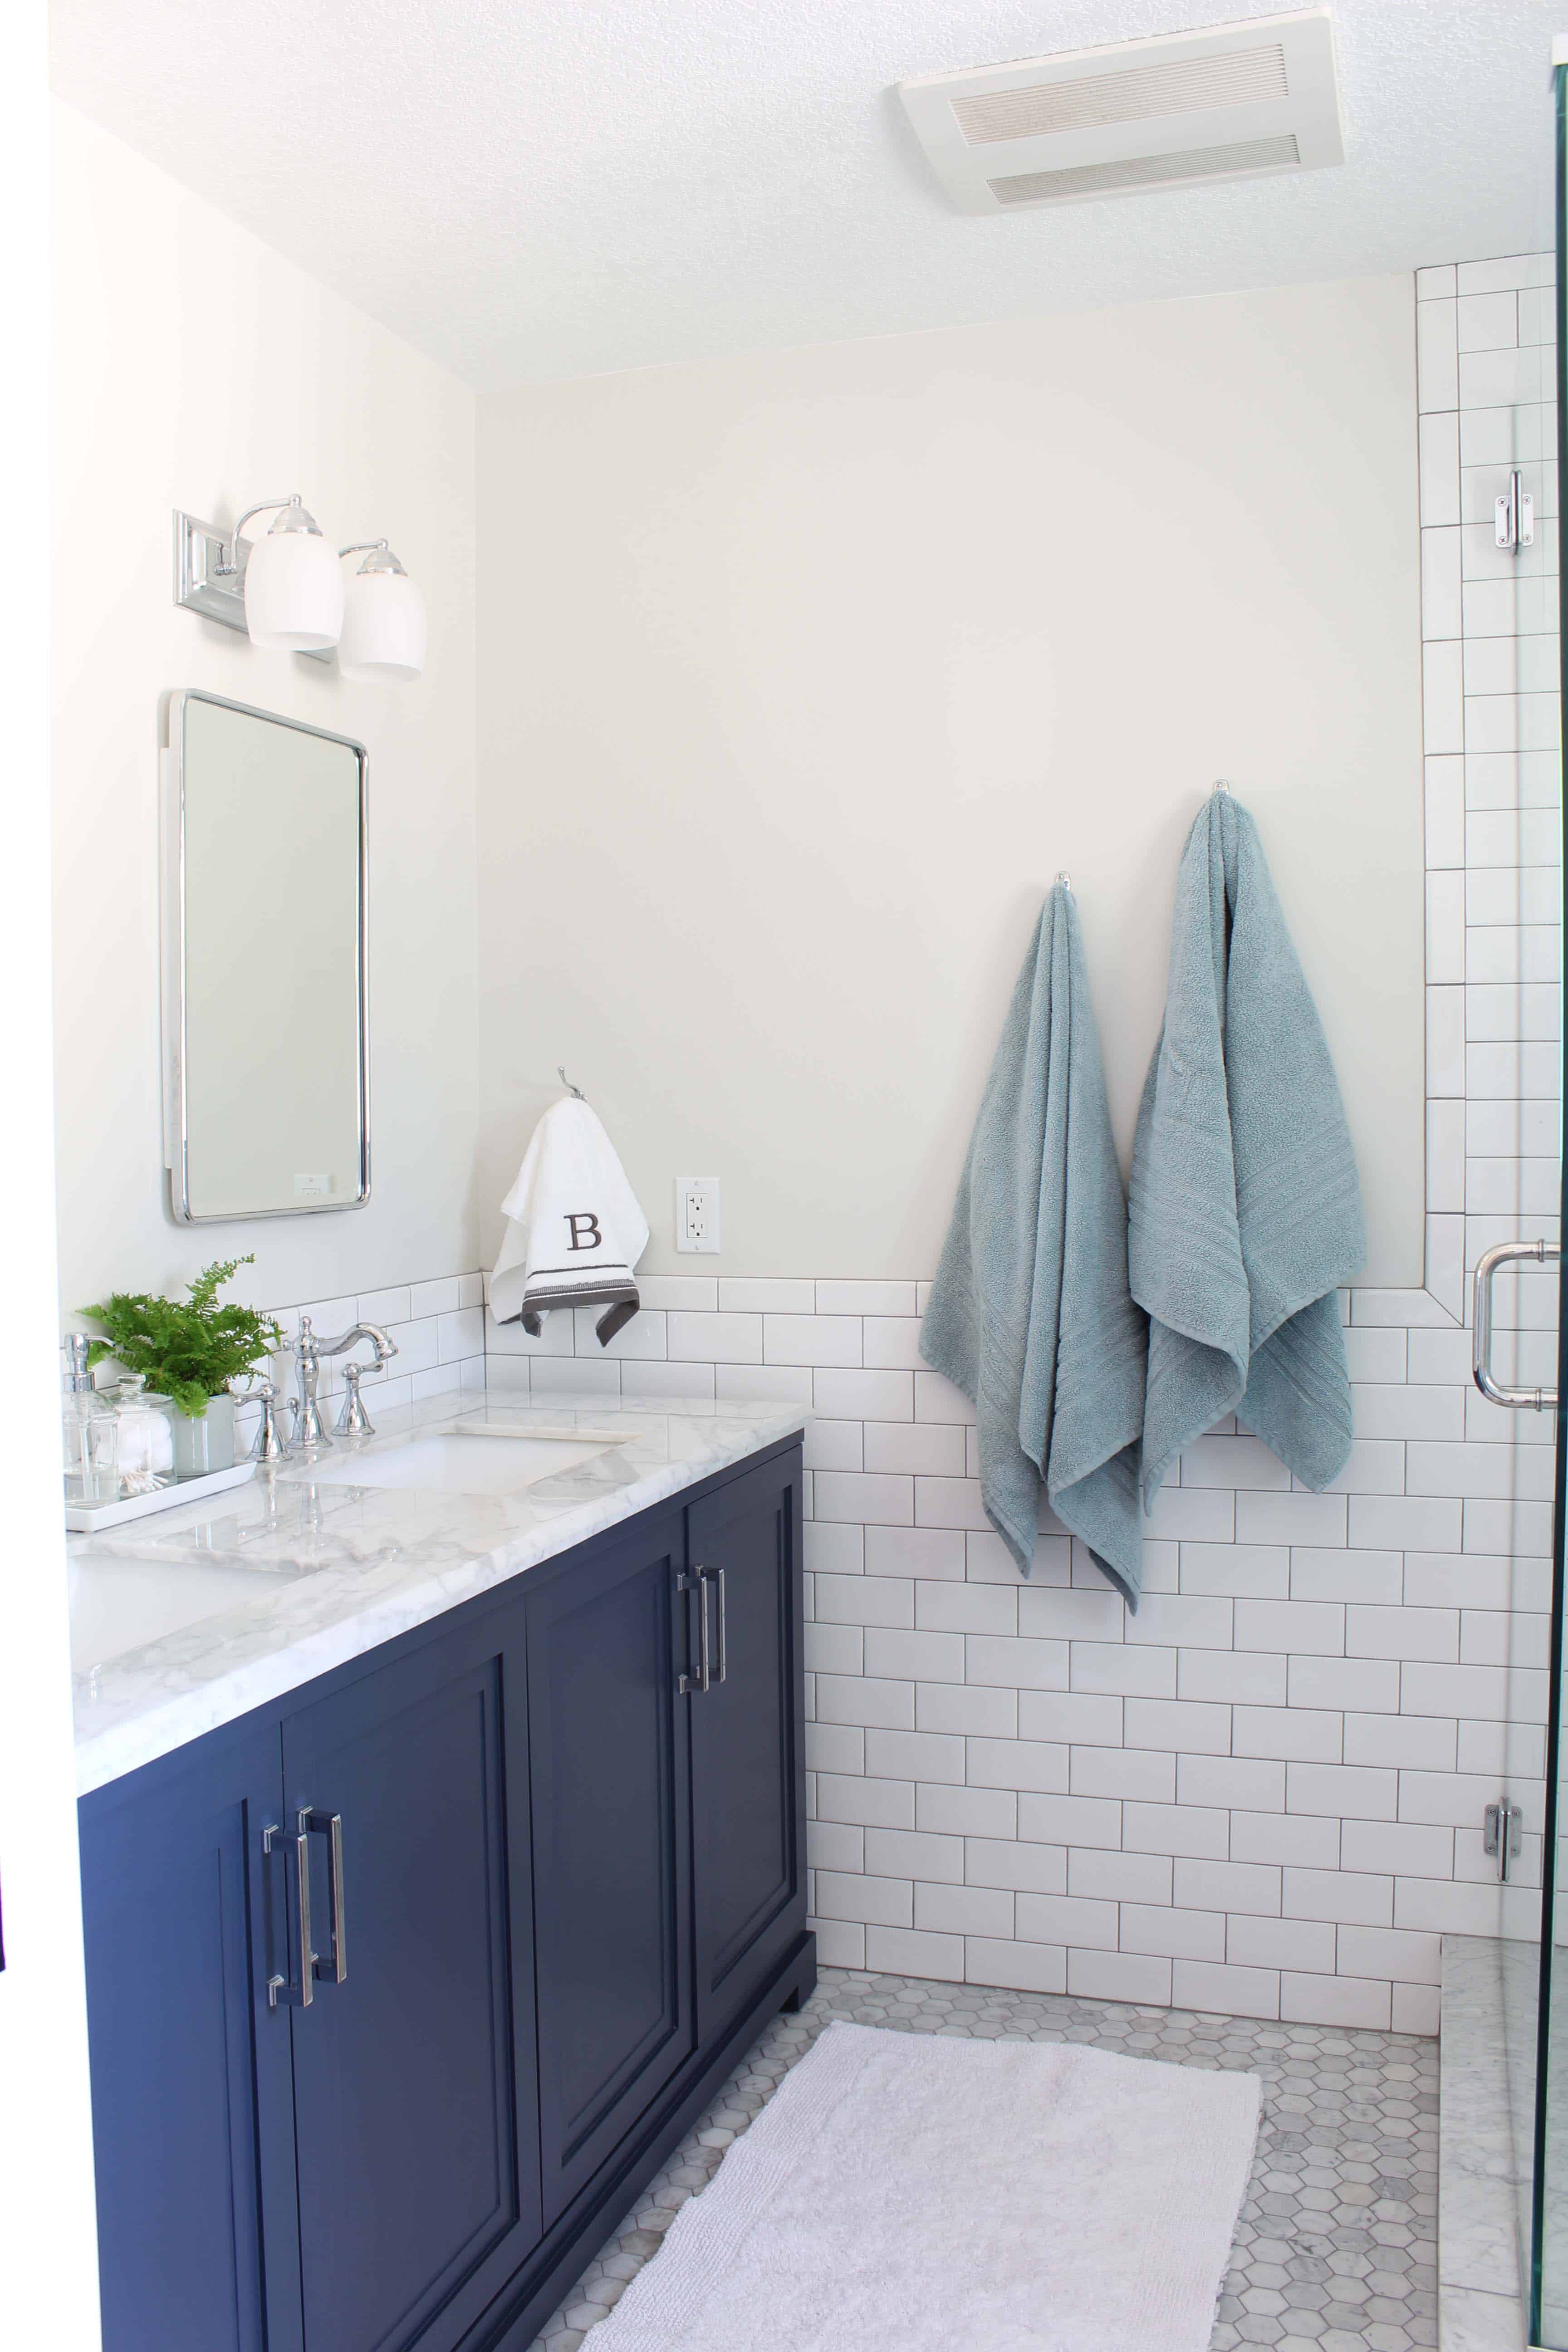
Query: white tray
[87, 1518]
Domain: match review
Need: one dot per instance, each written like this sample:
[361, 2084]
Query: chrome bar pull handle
[703, 1679]
[704, 1636]
[723, 1641]
[280, 1988]
[686, 1682]
[331, 1826]
[1538, 1253]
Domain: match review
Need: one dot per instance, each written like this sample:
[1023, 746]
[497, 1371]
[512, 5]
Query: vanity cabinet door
[192, 2118]
[416, 2126]
[748, 1772]
[607, 1737]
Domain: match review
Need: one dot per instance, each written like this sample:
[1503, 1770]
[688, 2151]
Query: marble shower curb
[1480, 2301]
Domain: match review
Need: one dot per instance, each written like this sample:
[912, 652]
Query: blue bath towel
[1030, 1313]
[1244, 1213]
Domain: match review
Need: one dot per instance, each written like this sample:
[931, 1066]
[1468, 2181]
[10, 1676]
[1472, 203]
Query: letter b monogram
[579, 1223]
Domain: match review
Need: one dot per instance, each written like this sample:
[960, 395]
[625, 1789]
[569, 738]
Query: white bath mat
[904, 2192]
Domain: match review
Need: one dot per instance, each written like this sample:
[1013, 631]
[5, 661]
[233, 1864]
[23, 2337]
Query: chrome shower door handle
[1539, 1253]
[280, 1988]
[331, 1826]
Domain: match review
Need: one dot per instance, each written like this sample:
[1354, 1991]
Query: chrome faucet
[309, 1430]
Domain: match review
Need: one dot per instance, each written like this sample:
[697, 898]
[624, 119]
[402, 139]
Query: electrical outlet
[697, 1214]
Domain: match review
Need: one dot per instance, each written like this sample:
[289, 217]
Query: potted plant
[189, 1350]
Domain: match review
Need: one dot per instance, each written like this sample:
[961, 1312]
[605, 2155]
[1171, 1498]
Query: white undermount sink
[467, 1462]
[121, 1604]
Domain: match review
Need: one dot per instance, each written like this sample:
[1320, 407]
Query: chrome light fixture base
[205, 580]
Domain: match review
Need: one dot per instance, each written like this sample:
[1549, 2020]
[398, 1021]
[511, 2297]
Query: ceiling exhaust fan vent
[1149, 171]
[1192, 85]
[1233, 100]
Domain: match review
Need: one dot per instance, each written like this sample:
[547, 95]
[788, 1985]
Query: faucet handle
[270, 1445]
[354, 1420]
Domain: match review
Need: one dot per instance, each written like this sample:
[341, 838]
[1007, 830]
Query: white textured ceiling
[528, 189]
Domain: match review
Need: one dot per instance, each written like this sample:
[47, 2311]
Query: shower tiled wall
[1264, 1793]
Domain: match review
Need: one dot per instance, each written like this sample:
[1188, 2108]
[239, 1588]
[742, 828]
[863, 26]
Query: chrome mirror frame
[171, 990]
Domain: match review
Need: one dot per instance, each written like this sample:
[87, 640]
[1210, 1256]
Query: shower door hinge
[1516, 515]
[1503, 1835]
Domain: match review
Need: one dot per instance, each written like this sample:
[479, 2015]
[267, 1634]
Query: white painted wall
[802, 673]
[193, 367]
[49, 2270]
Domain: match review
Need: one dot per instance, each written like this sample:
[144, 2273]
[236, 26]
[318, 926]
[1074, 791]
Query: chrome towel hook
[561, 1074]
[1065, 878]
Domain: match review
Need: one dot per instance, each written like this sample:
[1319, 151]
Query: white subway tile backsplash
[443, 1298]
[1190, 1830]
[688, 1293]
[1238, 1570]
[1178, 1934]
[715, 1339]
[990, 1814]
[1370, 1684]
[460, 1334]
[866, 1498]
[1348, 1898]
[865, 1298]
[573, 1376]
[1334, 2001]
[1072, 1920]
[386, 1306]
[811, 1340]
[1437, 355]
[1288, 1734]
[641, 1339]
[761, 1384]
[1122, 1772]
[922, 1447]
[1296, 1839]
[882, 1396]
[834, 1445]
[976, 1709]
[741, 1296]
[1339, 1574]
[1262, 1943]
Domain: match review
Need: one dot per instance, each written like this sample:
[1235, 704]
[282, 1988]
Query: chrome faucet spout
[310, 1430]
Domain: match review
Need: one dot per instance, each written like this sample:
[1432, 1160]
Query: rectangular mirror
[266, 1047]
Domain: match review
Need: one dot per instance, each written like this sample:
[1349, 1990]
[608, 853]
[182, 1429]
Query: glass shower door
[1539, 1356]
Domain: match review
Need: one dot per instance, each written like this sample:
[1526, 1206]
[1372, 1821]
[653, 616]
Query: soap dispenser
[89, 1431]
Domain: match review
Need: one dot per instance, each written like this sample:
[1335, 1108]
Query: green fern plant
[189, 1349]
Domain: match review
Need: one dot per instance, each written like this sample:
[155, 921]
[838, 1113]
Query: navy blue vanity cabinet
[192, 2096]
[609, 1750]
[554, 1881]
[748, 1759]
[414, 2065]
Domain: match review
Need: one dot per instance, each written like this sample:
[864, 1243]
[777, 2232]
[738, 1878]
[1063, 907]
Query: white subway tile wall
[1263, 1794]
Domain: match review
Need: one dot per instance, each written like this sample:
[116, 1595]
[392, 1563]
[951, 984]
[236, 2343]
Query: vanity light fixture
[286, 591]
[292, 587]
[384, 618]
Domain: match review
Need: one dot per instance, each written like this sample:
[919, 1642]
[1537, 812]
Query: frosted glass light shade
[384, 627]
[293, 592]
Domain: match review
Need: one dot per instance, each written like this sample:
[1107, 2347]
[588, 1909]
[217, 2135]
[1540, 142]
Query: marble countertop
[259, 1589]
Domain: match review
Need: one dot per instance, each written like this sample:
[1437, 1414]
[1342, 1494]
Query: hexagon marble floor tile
[1336, 2247]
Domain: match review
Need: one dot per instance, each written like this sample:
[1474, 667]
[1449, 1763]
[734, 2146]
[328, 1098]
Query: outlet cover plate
[697, 1225]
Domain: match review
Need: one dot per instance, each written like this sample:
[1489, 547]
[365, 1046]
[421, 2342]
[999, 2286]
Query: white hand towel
[574, 1230]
